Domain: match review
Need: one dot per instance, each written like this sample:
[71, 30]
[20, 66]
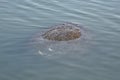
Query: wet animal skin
[63, 32]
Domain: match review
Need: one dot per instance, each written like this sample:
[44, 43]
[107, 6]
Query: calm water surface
[24, 55]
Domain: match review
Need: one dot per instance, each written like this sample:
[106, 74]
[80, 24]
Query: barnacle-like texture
[63, 32]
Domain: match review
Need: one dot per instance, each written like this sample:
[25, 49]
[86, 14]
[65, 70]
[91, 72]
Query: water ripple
[24, 52]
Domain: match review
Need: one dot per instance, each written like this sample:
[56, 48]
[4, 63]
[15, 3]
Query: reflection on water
[24, 55]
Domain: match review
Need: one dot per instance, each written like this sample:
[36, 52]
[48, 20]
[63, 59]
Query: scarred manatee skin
[63, 32]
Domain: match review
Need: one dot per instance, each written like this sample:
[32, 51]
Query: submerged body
[63, 32]
[61, 39]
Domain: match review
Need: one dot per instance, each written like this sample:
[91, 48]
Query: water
[25, 56]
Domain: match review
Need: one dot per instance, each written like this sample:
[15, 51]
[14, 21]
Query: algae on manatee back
[63, 32]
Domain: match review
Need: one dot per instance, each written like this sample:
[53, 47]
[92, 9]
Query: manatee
[63, 32]
[61, 39]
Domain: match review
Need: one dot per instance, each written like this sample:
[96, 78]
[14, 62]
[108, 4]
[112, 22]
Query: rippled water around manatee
[24, 55]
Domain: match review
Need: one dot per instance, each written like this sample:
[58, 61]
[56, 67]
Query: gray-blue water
[25, 56]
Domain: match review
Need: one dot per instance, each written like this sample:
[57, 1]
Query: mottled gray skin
[63, 32]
